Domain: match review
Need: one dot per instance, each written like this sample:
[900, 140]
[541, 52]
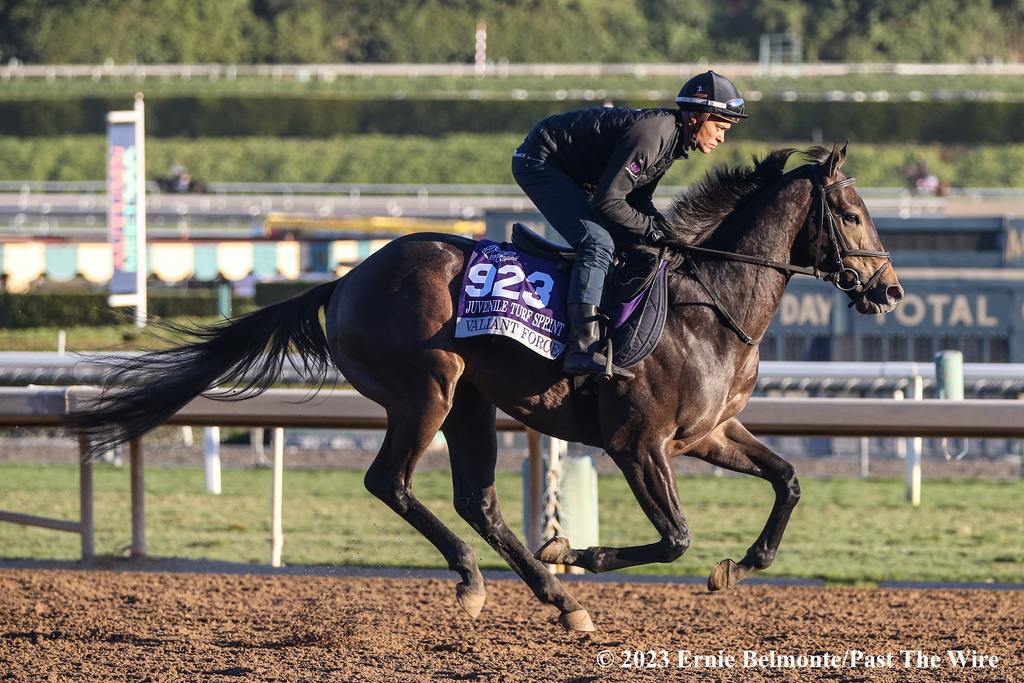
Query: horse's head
[843, 242]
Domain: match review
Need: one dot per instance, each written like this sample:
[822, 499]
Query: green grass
[461, 158]
[843, 530]
[455, 87]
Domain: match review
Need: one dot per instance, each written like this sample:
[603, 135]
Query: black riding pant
[567, 208]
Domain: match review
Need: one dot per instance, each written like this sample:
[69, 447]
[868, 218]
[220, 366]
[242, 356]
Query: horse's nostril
[894, 293]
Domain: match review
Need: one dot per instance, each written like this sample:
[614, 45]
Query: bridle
[841, 276]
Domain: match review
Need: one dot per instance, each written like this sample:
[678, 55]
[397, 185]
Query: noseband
[839, 274]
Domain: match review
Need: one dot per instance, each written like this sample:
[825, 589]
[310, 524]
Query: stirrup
[611, 371]
[601, 367]
[609, 366]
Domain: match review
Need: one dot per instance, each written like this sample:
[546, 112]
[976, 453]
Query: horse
[733, 242]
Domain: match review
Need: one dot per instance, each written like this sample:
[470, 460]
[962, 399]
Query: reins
[838, 277]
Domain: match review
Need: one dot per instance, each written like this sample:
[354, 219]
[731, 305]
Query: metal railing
[86, 187]
[278, 408]
[51, 368]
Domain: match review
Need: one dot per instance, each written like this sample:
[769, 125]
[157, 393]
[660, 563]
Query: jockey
[592, 174]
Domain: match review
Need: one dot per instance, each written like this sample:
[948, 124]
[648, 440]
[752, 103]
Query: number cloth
[512, 294]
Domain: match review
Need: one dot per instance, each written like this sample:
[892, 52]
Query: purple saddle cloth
[511, 293]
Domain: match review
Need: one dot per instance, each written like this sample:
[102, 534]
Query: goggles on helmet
[733, 106]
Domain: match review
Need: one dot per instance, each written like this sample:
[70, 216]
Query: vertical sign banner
[126, 207]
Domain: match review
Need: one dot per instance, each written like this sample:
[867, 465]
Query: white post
[140, 219]
[186, 435]
[901, 444]
[85, 501]
[211, 459]
[912, 474]
[1020, 451]
[277, 500]
[577, 503]
[865, 457]
[256, 446]
[61, 342]
[534, 487]
[480, 50]
[138, 499]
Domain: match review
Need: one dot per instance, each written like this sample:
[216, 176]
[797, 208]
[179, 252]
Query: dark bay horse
[736, 240]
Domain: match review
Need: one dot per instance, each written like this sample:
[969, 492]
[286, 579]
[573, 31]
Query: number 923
[484, 277]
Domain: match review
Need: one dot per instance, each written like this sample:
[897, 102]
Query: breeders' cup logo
[633, 169]
[701, 93]
[495, 253]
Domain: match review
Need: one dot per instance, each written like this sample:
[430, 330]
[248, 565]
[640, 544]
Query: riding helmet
[712, 93]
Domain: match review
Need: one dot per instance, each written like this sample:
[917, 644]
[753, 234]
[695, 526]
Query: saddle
[635, 301]
[532, 243]
[632, 272]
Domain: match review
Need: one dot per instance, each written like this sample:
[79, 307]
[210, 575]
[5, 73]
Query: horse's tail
[245, 355]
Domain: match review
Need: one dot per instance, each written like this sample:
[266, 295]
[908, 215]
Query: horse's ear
[835, 160]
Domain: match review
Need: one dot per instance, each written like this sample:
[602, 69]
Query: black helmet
[712, 93]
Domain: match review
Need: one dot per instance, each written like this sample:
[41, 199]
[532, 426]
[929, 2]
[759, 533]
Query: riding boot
[581, 356]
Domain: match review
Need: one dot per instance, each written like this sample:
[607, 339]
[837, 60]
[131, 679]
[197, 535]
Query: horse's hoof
[577, 620]
[554, 550]
[470, 601]
[726, 574]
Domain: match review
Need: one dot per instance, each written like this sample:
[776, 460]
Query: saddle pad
[513, 294]
[638, 323]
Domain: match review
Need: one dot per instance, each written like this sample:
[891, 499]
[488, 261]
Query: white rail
[46, 406]
[25, 188]
[330, 71]
[42, 367]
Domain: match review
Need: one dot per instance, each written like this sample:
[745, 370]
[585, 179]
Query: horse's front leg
[732, 447]
[648, 470]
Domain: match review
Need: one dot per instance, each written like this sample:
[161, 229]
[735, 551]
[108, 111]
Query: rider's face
[712, 134]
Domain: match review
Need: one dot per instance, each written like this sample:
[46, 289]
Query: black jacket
[617, 155]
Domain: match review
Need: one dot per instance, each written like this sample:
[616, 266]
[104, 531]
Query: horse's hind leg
[469, 430]
[412, 424]
[648, 471]
[734, 448]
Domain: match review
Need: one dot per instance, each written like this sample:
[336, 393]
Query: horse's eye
[851, 218]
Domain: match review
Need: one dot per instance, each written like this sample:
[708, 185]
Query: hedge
[272, 292]
[319, 117]
[456, 159]
[91, 309]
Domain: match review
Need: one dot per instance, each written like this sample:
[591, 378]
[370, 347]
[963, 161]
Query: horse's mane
[698, 211]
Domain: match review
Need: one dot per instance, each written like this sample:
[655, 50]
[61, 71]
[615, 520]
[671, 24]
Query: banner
[126, 207]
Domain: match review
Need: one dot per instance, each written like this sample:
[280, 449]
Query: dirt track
[105, 625]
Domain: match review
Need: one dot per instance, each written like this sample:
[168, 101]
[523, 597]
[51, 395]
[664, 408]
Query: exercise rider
[592, 174]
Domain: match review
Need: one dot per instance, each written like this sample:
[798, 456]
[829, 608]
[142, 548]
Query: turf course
[847, 531]
[459, 158]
